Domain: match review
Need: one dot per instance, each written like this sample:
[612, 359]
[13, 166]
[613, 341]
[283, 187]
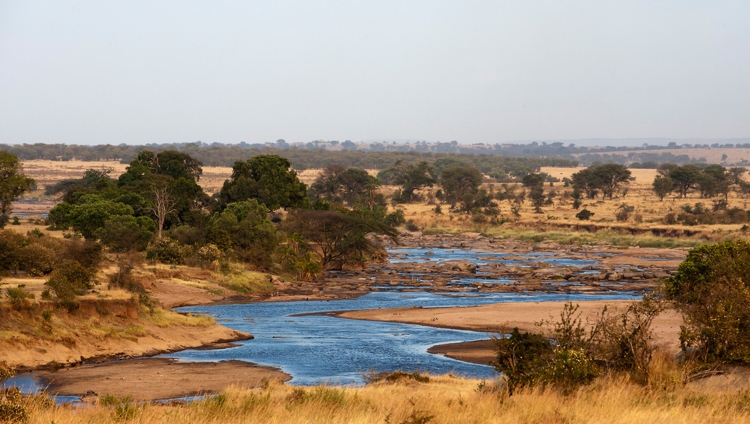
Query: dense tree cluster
[606, 179]
[158, 206]
[709, 181]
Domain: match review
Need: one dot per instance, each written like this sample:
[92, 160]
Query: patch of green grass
[164, 318]
[246, 282]
[586, 238]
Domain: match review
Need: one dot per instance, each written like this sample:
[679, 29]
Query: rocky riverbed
[471, 263]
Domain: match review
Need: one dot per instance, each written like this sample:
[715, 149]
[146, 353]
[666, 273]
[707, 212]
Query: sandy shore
[496, 317]
[157, 378]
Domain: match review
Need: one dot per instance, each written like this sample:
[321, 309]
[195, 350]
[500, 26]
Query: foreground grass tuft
[444, 399]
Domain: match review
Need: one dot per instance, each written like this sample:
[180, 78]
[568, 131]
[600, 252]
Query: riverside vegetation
[265, 219]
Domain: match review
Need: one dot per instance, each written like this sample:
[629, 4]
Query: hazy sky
[474, 71]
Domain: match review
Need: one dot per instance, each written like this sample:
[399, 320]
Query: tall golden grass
[444, 399]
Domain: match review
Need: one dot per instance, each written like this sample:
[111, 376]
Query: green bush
[69, 280]
[411, 226]
[38, 259]
[522, 357]
[167, 251]
[122, 408]
[584, 214]
[12, 408]
[617, 342]
[712, 290]
[17, 296]
[392, 377]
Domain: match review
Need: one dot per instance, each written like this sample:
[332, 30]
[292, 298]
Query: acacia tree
[607, 178]
[612, 176]
[535, 182]
[338, 183]
[339, 239]
[13, 183]
[459, 181]
[412, 178]
[685, 178]
[587, 182]
[662, 186]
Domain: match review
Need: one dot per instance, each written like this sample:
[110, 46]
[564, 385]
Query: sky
[97, 72]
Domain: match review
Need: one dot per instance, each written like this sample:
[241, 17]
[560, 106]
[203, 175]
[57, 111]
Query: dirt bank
[41, 334]
[83, 349]
[496, 317]
[157, 378]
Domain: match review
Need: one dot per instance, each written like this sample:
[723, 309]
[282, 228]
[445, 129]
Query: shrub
[584, 214]
[12, 408]
[670, 218]
[208, 254]
[712, 290]
[623, 212]
[395, 218]
[37, 259]
[623, 341]
[411, 226]
[617, 342]
[17, 296]
[522, 357]
[123, 278]
[68, 280]
[167, 251]
[395, 376]
[122, 408]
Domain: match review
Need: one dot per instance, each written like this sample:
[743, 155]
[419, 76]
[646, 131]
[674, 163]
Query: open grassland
[712, 155]
[47, 172]
[644, 227]
[445, 399]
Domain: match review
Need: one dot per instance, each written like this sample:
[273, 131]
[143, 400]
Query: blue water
[481, 258]
[317, 349]
[28, 384]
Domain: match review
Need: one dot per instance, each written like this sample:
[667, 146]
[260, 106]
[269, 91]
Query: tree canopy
[268, 179]
[712, 290]
[339, 239]
[13, 183]
[607, 179]
[460, 181]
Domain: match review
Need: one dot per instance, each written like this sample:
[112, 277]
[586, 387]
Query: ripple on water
[316, 349]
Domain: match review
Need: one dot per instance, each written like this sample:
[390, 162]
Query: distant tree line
[301, 159]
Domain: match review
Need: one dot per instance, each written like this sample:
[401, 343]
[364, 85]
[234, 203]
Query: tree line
[301, 159]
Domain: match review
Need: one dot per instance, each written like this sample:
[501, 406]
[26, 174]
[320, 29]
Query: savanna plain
[89, 298]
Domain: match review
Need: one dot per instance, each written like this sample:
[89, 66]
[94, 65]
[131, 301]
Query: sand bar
[496, 317]
[157, 378]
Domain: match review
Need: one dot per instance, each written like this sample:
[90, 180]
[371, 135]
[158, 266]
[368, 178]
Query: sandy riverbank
[157, 378]
[496, 317]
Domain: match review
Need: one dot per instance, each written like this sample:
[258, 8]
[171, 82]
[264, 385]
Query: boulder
[463, 266]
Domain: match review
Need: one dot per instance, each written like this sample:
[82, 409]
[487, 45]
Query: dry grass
[444, 399]
[556, 219]
[712, 155]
